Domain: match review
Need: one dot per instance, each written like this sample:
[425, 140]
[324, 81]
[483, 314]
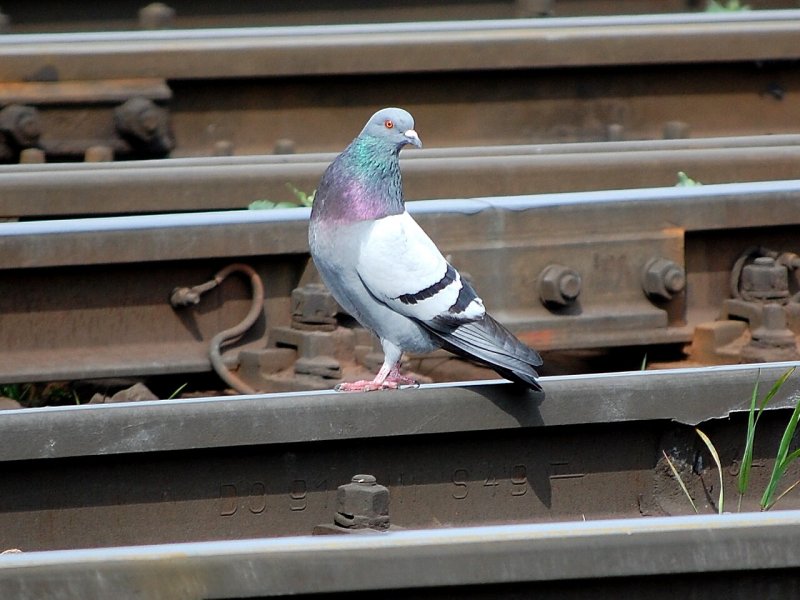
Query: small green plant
[685, 181]
[302, 199]
[752, 421]
[177, 391]
[783, 458]
[15, 391]
[782, 462]
[727, 6]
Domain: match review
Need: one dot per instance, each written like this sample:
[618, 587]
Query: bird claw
[390, 383]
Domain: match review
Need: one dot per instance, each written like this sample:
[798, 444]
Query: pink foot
[390, 383]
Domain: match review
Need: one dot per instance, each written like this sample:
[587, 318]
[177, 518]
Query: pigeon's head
[394, 125]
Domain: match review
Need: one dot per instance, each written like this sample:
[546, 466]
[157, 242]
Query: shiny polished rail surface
[221, 183]
[737, 556]
[450, 454]
[467, 82]
[50, 15]
[89, 297]
[359, 49]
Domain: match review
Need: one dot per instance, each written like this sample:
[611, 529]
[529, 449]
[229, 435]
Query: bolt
[184, 296]
[663, 278]
[223, 148]
[285, 146]
[98, 154]
[313, 307]
[772, 340]
[22, 124]
[676, 130]
[157, 16]
[145, 125]
[31, 156]
[773, 330]
[559, 285]
[615, 132]
[764, 280]
[362, 503]
[533, 8]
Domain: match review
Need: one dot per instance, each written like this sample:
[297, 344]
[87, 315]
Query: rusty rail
[449, 455]
[528, 81]
[89, 297]
[735, 556]
[53, 16]
[405, 47]
[222, 183]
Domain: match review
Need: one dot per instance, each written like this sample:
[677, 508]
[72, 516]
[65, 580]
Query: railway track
[53, 16]
[224, 183]
[305, 89]
[90, 297]
[83, 488]
[738, 556]
[461, 455]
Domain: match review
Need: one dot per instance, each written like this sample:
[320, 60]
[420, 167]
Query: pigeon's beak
[413, 138]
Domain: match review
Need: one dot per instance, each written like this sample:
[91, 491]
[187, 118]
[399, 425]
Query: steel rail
[398, 47]
[449, 454]
[202, 184]
[251, 90]
[131, 263]
[54, 17]
[689, 396]
[162, 237]
[590, 554]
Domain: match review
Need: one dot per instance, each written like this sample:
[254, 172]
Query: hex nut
[156, 15]
[663, 278]
[362, 503]
[764, 279]
[313, 304]
[22, 123]
[559, 285]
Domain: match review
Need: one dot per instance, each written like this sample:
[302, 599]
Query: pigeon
[386, 272]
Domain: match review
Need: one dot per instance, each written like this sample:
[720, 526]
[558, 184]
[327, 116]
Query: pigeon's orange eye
[388, 124]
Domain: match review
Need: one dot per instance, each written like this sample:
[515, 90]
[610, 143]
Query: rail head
[161, 237]
[404, 560]
[368, 49]
[688, 396]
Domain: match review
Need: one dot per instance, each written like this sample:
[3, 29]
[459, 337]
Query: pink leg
[388, 378]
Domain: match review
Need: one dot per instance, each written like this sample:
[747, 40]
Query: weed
[783, 458]
[685, 181]
[752, 421]
[302, 199]
[15, 391]
[177, 391]
[782, 461]
[715, 456]
[726, 6]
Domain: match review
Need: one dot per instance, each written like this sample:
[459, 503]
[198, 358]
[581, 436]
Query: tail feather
[488, 342]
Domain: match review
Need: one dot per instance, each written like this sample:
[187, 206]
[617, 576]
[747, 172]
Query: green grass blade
[752, 420]
[747, 458]
[715, 456]
[680, 481]
[775, 388]
[781, 459]
[178, 391]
